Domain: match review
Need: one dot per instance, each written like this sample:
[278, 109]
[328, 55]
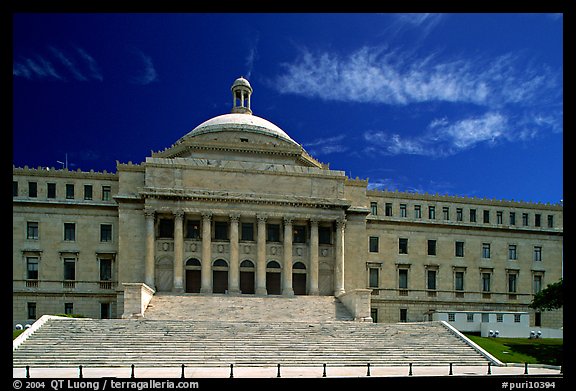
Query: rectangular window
[470, 317]
[106, 193]
[537, 253]
[499, 217]
[485, 317]
[14, 188]
[69, 269]
[537, 284]
[32, 189]
[373, 246]
[374, 314]
[417, 211]
[373, 277]
[68, 308]
[451, 317]
[403, 278]
[374, 208]
[537, 220]
[403, 210]
[31, 309]
[324, 235]
[220, 230]
[525, 219]
[388, 209]
[105, 232]
[403, 246]
[32, 230]
[499, 318]
[550, 221]
[512, 282]
[431, 247]
[70, 231]
[459, 214]
[472, 215]
[105, 269]
[459, 249]
[485, 282]
[486, 217]
[403, 315]
[432, 212]
[512, 218]
[459, 281]
[51, 193]
[512, 255]
[431, 279]
[273, 232]
[88, 190]
[192, 229]
[516, 318]
[70, 191]
[247, 232]
[166, 228]
[299, 234]
[446, 213]
[485, 250]
[32, 268]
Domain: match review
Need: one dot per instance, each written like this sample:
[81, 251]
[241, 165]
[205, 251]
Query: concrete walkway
[287, 372]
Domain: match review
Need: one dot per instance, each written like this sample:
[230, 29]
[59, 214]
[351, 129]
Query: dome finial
[241, 92]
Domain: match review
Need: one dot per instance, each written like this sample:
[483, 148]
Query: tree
[550, 298]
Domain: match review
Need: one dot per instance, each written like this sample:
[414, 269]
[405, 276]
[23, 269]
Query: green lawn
[522, 350]
[16, 333]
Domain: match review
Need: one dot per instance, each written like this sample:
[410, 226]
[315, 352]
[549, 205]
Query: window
[512, 282]
[403, 209]
[538, 319]
[459, 249]
[373, 244]
[486, 216]
[273, 232]
[525, 219]
[512, 218]
[247, 232]
[69, 268]
[299, 234]
[388, 209]
[431, 279]
[486, 282]
[485, 317]
[431, 247]
[220, 230]
[472, 215]
[324, 235]
[537, 285]
[499, 217]
[32, 268]
[193, 229]
[165, 228]
[106, 193]
[373, 277]
[403, 315]
[68, 308]
[459, 281]
[459, 214]
[32, 230]
[499, 318]
[485, 250]
[105, 269]
[70, 192]
[432, 212]
[87, 192]
[417, 211]
[516, 318]
[51, 193]
[32, 189]
[403, 246]
[537, 253]
[374, 208]
[470, 317]
[451, 317]
[31, 309]
[14, 188]
[70, 231]
[403, 278]
[512, 255]
[550, 221]
[374, 314]
[537, 220]
[105, 232]
[446, 213]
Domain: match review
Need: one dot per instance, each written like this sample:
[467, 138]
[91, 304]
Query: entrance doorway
[193, 276]
[247, 277]
[219, 276]
[273, 278]
[299, 278]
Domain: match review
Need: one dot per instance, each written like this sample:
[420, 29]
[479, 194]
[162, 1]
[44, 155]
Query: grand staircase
[212, 331]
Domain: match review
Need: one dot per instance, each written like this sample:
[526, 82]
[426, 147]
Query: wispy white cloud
[93, 67]
[146, 74]
[326, 146]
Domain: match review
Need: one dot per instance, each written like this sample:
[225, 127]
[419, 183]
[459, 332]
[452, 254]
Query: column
[234, 270]
[287, 289]
[178, 251]
[149, 260]
[206, 272]
[261, 257]
[313, 258]
[339, 264]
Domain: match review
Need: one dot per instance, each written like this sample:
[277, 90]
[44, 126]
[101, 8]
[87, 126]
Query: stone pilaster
[287, 289]
[234, 271]
[313, 274]
[261, 257]
[150, 244]
[339, 264]
[178, 251]
[206, 272]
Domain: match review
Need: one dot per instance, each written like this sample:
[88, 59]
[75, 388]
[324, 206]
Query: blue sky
[459, 104]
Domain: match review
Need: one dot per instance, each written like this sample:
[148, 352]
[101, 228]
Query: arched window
[220, 263]
[247, 263]
[193, 262]
[299, 265]
[273, 265]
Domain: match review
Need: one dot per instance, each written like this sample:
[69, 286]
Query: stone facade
[238, 207]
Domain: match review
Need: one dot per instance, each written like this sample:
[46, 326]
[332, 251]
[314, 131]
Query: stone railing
[137, 295]
[357, 301]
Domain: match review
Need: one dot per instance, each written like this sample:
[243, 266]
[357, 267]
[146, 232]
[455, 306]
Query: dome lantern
[241, 92]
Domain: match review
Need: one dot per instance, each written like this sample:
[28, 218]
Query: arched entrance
[247, 277]
[219, 276]
[164, 275]
[193, 275]
[273, 278]
[299, 278]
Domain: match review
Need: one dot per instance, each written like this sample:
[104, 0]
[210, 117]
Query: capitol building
[237, 207]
